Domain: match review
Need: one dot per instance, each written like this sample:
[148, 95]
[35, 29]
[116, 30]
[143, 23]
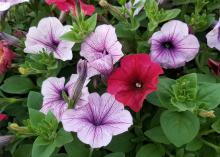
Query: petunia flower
[102, 50]
[6, 4]
[173, 46]
[213, 37]
[3, 117]
[99, 120]
[214, 66]
[136, 77]
[45, 37]
[70, 5]
[6, 139]
[6, 57]
[57, 94]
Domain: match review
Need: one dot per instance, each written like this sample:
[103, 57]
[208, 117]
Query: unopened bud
[207, 114]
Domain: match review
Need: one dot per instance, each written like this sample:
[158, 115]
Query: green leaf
[185, 92]
[76, 149]
[194, 145]
[34, 100]
[208, 95]
[20, 151]
[157, 135]
[17, 85]
[164, 93]
[35, 117]
[169, 14]
[90, 23]
[63, 138]
[72, 36]
[115, 155]
[121, 143]
[216, 126]
[151, 150]
[179, 127]
[60, 155]
[40, 150]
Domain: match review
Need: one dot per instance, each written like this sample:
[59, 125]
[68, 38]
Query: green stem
[217, 148]
[207, 132]
[90, 152]
[169, 154]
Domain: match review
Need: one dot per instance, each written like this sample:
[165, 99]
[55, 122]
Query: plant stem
[90, 152]
[217, 148]
[207, 132]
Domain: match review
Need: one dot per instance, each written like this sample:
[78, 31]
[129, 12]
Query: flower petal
[52, 87]
[102, 66]
[189, 47]
[175, 28]
[4, 6]
[57, 107]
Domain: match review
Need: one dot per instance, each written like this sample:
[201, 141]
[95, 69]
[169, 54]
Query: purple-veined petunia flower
[45, 37]
[55, 92]
[173, 46]
[102, 49]
[6, 4]
[99, 120]
[213, 37]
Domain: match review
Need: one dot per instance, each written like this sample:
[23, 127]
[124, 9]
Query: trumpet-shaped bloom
[53, 90]
[6, 4]
[45, 37]
[3, 117]
[99, 120]
[213, 37]
[136, 77]
[6, 57]
[173, 46]
[102, 50]
[68, 5]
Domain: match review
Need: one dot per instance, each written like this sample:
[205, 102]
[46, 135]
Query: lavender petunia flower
[213, 37]
[99, 120]
[55, 93]
[46, 37]
[6, 4]
[102, 49]
[173, 46]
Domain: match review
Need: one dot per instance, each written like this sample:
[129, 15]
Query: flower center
[168, 45]
[138, 85]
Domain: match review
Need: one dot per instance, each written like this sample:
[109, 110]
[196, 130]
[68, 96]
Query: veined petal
[52, 87]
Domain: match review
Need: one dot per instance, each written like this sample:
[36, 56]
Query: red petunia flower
[3, 117]
[214, 66]
[136, 77]
[68, 5]
[6, 56]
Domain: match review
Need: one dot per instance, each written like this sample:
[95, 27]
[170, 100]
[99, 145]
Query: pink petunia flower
[102, 50]
[213, 37]
[173, 46]
[99, 120]
[46, 37]
[6, 4]
[3, 117]
[6, 57]
[68, 5]
[54, 89]
[136, 77]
